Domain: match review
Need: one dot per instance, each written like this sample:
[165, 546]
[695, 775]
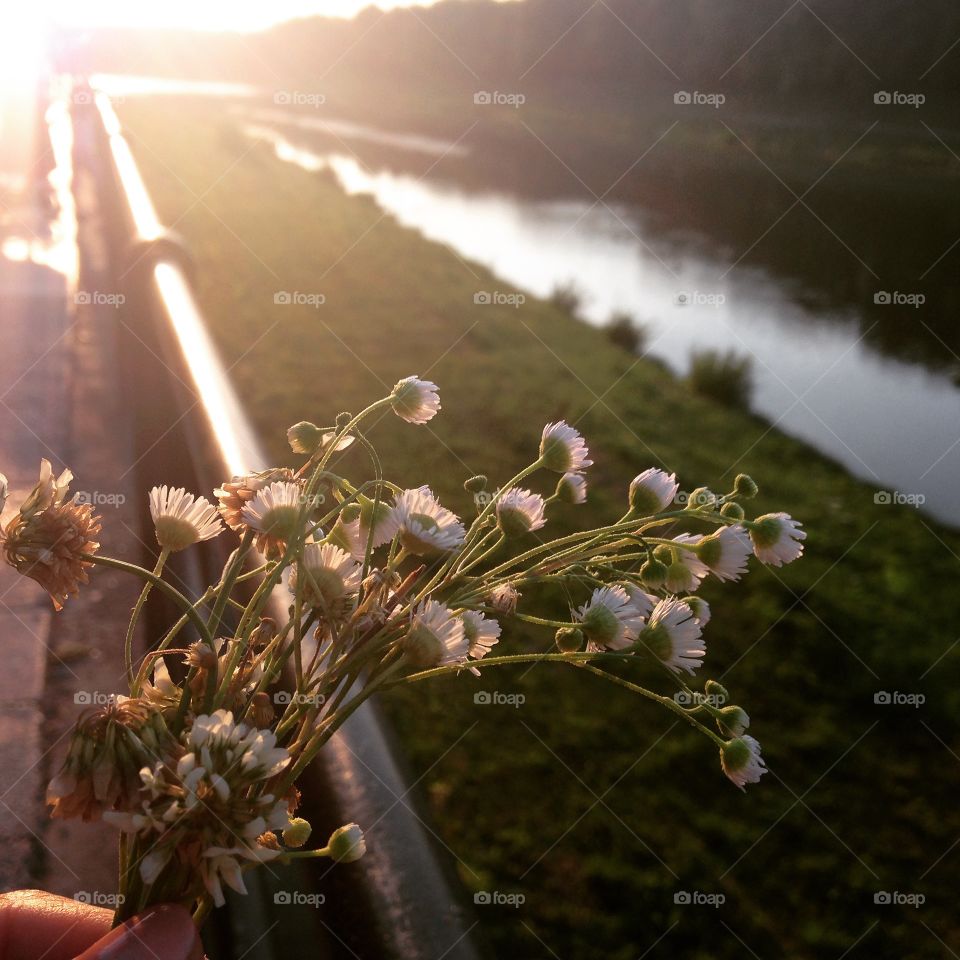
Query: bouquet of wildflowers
[379, 586]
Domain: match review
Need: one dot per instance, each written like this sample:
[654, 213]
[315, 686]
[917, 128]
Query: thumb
[166, 931]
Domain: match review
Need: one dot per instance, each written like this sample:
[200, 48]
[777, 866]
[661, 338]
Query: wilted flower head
[415, 401]
[329, 577]
[562, 449]
[609, 619]
[102, 769]
[435, 636]
[741, 761]
[423, 525]
[504, 597]
[652, 491]
[572, 488]
[519, 512]
[50, 540]
[672, 634]
[235, 494]
[777, 538]
[180, 519]
[200, 808]
[274, 515]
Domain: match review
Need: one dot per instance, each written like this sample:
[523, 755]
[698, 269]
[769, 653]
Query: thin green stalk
[135, 616]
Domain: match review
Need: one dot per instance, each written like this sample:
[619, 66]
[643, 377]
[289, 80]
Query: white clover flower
[415, 401]
[273, 514]
[725, 552]
[572, 488]
[330, 576]
[519, 512]
[672, 634]
[609, 619]
[423, 525]
[435, 636]
[562, 449]
[652, 491]
[202, 809]
[482, 634]
[741, 761]
[180, 519]
[777, 538]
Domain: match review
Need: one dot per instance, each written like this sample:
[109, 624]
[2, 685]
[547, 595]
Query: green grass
[593, 805]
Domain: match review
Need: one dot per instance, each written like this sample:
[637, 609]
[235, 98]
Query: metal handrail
[402, 899]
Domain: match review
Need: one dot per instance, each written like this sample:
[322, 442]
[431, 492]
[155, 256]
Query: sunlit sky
[245, 15]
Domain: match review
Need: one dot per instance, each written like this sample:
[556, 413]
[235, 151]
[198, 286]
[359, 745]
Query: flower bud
[701, 499]
[680, 578]
[350, 512]
[343, 419]
[733, 720]
[298, 833]
[304, 437]
[716, 691]
[347, 844]
[569, 639]
[572, 488]
[264, 632]
[261, 710]
[745, 486]
[653, 573]
[732, 510]
[475, 484]
[700, 609]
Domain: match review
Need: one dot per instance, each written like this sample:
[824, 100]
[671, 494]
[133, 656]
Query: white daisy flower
[652, 491]
[672, 634]
[435, 636]
[180, 519]
[572, 488]
[687, 569]
[415, 401]
[520, 511]
[699, 608]
[642, 601]
[609, 619]
[482, 634]
[725, 552]
[562, 449]
[741, 761]
[423, 525]
[273, 514]
[330, 576]
[777, 538]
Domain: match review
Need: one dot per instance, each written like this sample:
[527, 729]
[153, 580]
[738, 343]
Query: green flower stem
[172, 592]
[135, 616]
[303, 854]
[228, 581]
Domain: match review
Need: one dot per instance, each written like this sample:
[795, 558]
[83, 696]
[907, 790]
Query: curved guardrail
[402, 899]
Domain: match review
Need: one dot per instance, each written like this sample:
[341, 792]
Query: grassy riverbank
[595, 807]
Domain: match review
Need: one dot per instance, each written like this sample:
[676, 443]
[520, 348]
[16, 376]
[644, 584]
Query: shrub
[724, 377]
[626, 332]
[567, 297]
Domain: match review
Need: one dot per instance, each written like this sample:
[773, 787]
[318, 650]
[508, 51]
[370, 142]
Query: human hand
[36, 924]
